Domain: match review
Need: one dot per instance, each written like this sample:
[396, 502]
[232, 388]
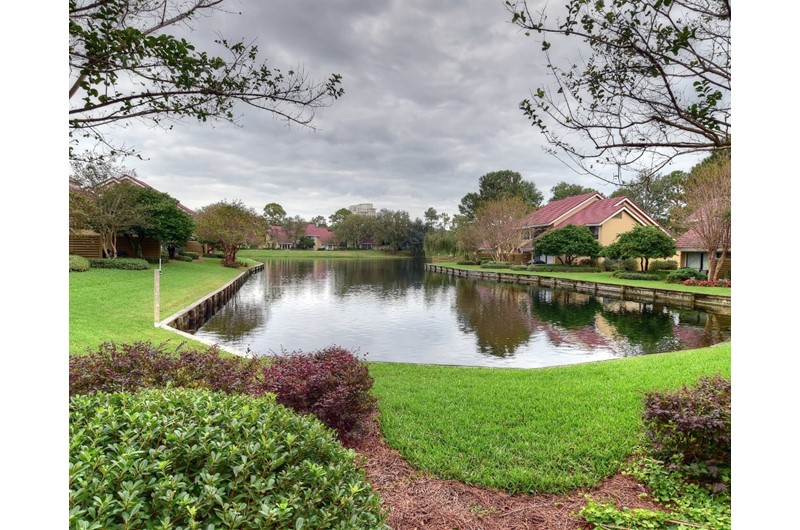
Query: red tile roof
[324, 235]
[550, 212]
[689, 240]
[75, 184]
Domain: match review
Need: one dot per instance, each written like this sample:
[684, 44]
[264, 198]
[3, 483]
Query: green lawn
[528, 430]
[601, 277]
[117, 305]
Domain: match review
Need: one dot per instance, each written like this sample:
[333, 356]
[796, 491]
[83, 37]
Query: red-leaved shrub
[332, 383]
[692, 425]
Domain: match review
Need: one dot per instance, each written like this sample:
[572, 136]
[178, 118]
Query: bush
[629, 265]
[467, 262]
[495, 265]
[692, 426]
[706, 283]
[637, 276]
[78, 264]
[519, 267]
[128, 264]
[188, 458]
[215, 254]
[133, 367]
[182, 257]
[193, 255]
[663, 265]
[680, 275]
[562, 268]
[333, 384]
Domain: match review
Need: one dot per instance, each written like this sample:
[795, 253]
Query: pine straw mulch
[416, 501]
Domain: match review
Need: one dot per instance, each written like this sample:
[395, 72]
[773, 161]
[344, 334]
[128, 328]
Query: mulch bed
[416, 501]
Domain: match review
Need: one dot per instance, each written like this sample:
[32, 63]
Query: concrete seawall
[193, 317]
[683, 300]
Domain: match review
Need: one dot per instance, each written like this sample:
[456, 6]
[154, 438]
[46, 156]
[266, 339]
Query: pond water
[392, 310]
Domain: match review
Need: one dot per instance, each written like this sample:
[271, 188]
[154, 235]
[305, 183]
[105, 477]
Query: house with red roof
[323, 238]
[605, 218]
[693, 254]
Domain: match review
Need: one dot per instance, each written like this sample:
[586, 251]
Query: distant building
[363, 209]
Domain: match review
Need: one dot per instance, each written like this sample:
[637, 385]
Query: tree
[161, 219]
[115, 212]
[643, 243]
[354, 229]
[661, 196]
[431, 217]
[498, 226]
[392, 227]
[568, 243]
[338, 216]
[499, 184]
[229, 225]
[655, 84]
[124, 66]
[708, 196]
[562, 190]
[295, 229]
[319, 221]
[274, 214]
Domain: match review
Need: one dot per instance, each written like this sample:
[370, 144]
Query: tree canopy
[642, 242]
[231, 226]
[563, 189]
[655, 83]
[568, 243]
[497, 228]
[125, 65]
[499, 184]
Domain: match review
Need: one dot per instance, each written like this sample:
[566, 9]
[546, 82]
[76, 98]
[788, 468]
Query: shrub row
[331, 383]
[681, 275]
[78, 264]
[706, 283]
[663, 265]
[192, 458]
[128, 264]
[215, 254]
[637, 276]
[193, 255]
[488, 264]
[630, 264]
[563, 268]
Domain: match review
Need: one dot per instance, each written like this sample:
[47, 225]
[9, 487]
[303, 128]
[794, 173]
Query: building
[323, 238]
[365, 208]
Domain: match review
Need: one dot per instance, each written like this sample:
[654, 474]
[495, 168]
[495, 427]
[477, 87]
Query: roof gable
[600, 211]
[555, 211]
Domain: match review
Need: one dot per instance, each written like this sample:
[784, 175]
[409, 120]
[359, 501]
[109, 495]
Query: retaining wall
[193, 317]
[683, 300]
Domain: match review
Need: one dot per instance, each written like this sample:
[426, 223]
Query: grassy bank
[117, 305]
[542, 430]
[601, 277]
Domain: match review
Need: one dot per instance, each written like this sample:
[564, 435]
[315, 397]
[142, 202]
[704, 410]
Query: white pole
[157, 294]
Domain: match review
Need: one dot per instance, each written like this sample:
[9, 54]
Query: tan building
[605, 218]
[365, 208]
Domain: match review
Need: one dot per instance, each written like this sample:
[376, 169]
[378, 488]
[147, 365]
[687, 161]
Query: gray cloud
[431, 104]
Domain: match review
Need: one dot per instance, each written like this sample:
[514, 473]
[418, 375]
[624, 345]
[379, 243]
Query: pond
[392, 310]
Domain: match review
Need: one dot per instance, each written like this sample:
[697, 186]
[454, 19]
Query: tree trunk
[712, 265]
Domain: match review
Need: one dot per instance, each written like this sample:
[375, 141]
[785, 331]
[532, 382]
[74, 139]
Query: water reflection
[393, 311]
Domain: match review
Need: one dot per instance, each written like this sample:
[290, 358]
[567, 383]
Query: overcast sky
[431, 103]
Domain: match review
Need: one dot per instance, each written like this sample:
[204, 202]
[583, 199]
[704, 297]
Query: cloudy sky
[431, 103]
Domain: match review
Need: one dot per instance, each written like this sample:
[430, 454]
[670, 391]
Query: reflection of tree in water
[436, 287]
[567, 309]
[240, 316]
[496, 313]
[386, 278]
[646, 328]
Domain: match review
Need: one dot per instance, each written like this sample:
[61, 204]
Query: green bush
[637, 276]
[215, 254]
[468, 262]
[681, 275]
[190, 458]
[128, 264]
[78, 264]
[541, 267]
[663, 265]
[495, 265]
[182, 257]
[193, 255]
[519, 267]
[630, 264]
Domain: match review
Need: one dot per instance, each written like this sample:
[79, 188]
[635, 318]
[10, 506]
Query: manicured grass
[540, 430]
[116, 305]
[602, 277]
[263, 255]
